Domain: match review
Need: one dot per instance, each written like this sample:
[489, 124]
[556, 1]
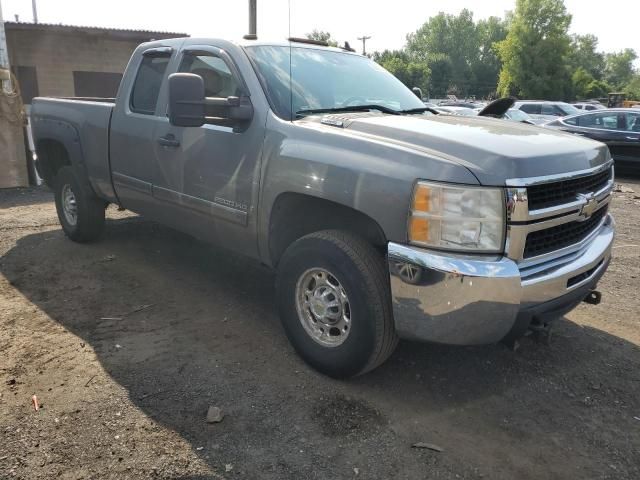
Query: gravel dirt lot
[128, 341]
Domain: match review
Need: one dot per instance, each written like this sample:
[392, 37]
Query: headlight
[457, 218]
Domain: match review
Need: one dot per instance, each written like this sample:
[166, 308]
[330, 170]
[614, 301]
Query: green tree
[535, 52]
[459, 52]
[584, 54]
[322, 36]
[448, 44]
[581, 80]
[619, 69]
[586, 87]
[633, 88]
[410, 71]
[486, 65]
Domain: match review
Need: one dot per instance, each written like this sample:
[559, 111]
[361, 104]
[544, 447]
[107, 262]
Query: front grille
[561, 236]
[549, 194]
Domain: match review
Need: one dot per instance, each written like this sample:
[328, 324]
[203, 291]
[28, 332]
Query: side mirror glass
[186, 100]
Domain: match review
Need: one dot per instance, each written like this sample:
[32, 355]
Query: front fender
[365, 174]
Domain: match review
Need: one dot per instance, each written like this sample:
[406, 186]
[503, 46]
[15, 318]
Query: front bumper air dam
[472, 300]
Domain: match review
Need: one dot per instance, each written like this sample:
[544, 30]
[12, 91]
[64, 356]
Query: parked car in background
[619, 128]
[515, 115]
[544, 110]
[589, 106]
[460, 103]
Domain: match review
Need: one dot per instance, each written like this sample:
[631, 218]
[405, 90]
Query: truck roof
[185, 41]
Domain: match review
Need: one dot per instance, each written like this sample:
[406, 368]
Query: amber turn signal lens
[418, 229]
[422, 198]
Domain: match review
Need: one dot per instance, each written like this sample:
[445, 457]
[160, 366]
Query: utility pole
[34, 8]
[253, 15]
[364, 39]
[5, 69]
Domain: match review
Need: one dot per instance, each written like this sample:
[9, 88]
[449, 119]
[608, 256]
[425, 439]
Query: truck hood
[493, 150]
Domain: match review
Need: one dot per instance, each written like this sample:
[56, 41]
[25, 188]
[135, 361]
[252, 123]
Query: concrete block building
[58, 61]
[67, 60]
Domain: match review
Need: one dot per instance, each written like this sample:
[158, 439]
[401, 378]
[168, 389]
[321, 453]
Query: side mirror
[186, 100]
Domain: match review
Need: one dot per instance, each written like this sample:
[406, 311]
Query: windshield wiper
[351, 108]
[420, 110]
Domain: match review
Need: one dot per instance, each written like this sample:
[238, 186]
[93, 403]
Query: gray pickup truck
[383, 220]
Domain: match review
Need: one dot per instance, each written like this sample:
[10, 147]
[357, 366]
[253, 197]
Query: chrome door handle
[169, 140]
[632, 138]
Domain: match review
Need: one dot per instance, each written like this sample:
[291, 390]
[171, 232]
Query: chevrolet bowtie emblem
[589, 207]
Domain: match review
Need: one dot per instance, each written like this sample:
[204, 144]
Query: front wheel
[335, 303]
[80, 211]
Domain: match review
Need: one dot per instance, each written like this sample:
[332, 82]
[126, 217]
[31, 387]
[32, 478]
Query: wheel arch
[57, 145]
[295, 215]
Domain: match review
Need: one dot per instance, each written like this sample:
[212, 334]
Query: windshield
[324, 79]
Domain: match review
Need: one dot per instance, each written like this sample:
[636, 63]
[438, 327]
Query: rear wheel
[335, 303]
[80, 211]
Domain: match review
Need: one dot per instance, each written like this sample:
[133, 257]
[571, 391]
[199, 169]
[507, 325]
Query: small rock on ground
[214, 415]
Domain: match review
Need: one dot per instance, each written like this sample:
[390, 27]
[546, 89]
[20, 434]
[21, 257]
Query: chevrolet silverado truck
[383, 219]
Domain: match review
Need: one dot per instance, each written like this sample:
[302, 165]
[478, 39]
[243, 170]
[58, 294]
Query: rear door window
[146, 88]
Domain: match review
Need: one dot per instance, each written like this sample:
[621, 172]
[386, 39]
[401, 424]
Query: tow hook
[594, 297]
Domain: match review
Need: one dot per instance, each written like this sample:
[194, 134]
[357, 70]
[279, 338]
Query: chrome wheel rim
[69, 205]
[323, 307]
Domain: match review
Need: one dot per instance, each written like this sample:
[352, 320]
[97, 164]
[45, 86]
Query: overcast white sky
[615, 22]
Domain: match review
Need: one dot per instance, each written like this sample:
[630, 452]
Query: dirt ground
[128, 341]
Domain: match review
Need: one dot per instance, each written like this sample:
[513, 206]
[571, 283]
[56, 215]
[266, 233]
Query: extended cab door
[630, 143]
[207, 178]
[134, 121]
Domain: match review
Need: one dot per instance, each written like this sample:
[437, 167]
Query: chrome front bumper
[470, 300]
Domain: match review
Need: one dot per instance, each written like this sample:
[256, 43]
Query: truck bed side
[74, 132]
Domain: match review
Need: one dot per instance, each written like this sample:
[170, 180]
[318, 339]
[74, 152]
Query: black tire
[360, 270]
[90, 209]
